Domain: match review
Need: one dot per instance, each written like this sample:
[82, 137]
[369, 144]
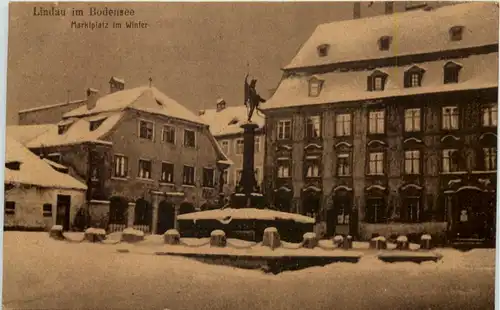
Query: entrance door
[331, 221]
[166, 217]
[470, 216]
[342, 206]
[63, 211]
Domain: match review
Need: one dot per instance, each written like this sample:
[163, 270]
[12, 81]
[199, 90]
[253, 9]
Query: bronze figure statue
[252, 99]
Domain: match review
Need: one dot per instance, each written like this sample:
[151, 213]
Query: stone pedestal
[131, 214]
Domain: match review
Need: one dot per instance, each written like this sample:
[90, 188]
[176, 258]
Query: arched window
[413, 77]
[451, 72]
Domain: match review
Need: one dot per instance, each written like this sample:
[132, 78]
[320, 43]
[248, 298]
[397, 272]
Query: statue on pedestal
[252, 99]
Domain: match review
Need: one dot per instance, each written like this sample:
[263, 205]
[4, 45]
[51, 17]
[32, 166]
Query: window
[412, 162]
[413, 77]
[225, 176]
[10, 207]
[144, 169]
[237, 176]
[456, 33]
[168, 134]
[451, 73]
[257, 145]
[284, 130]
[188, 175]
[412, 120]
[376, 163]
[376, 122]
[189, 138]
[313, 127]
[239, 147]
[55, 157]
[375, 210]
[490, 116]
[450, 118]
[13, 165]
[167, 173]
[146, 130]
[47, 210]
[450, 160]
[258, 175]
[315, 87]
[93, 125]
[343, 165]
[343, 206]
[323, 50]
[376, 81]
[208, 177]
[312, 166]
[411, 209]
[61, 129]
[283, 168]
[225, 146]
[343, 125]
[490, 158]
[384, 43]
[121, 166]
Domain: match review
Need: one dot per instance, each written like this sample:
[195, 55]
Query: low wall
[437, 230]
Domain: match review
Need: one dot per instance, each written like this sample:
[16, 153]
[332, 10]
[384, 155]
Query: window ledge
[166, 184]
[375, 174]
[145, 180]
[142, 138]
[189, 185]
[208, 187]
[120, 178]
[483, 172]
[344, 175]
[453, 173]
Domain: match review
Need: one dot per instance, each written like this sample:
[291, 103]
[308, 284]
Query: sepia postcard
[251, 155]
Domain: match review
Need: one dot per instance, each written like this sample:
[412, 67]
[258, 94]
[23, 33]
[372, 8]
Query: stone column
[156, 202]
[131, 214]
[248, 173]
[176, 213]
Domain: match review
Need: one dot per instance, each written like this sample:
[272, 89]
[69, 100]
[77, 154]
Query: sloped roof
[412, 32]
[33, 170]
[479, 71]
[229, 120]
[78, 132]
[144, 98]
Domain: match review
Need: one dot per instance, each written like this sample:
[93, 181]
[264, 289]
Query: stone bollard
[310, 240]
[338, 241]
[426, 242]
[271, 238]
[95, 234]
[172, 237]
[132, 235]
[218, 238]
[378, 243]
[56, 232]
[347, 243]
[402, 243]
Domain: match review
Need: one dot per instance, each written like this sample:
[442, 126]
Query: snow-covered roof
[412, 32]
[51, 106]
[144, 98]
[38, 136]
[115, 79]
[33, 170]
[478, 72]
[229, 120]
[225, 215]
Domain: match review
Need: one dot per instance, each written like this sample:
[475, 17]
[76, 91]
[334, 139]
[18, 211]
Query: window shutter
[407, 79]
[369, 82]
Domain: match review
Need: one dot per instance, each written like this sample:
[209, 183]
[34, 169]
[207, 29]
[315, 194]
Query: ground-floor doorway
[166, 217]
[63, 211]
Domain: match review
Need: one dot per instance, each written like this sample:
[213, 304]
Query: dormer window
[13, 165]
[323, 50]
[451, 72]
[413, 77]
[315, 86]
[94, 124]
[456, 33]
[384, 43]
[63, 126]
[376, 81]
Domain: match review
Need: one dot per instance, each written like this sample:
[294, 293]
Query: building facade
[224, 123]
[144, 157]
[389, 130]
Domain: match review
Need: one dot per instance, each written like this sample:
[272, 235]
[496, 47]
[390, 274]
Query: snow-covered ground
[40, 273]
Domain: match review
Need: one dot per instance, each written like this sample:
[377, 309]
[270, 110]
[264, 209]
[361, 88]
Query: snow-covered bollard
[172, 237]
[95, 234]
[218, 238]
[338, 241]
[56, 232]
[271, 238]
[426, 242]
[310, 240]
[347, 243]
[132, 235]
[402, 243]
[379, 243]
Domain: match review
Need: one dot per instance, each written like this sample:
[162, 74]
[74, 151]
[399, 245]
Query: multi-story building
[224, 123]
[388, 124]
[143, 156]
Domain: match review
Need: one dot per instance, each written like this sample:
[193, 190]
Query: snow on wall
[246, 213]
[366, 230]
[220, 121]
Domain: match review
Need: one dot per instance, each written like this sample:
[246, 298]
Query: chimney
[116, 84]
[356, 12]
[389, 7]
[221, 104]
[92, 96]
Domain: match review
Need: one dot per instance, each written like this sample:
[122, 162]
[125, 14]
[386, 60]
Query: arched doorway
[118, 215]
[166, 217]
[339, 214]
[283, 199]
[186, 207]
[143, 215]
[311, 201]
[470, 213]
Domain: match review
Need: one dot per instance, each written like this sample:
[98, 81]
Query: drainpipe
[89, 186]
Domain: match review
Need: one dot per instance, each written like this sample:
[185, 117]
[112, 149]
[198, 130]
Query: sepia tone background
[195, 52]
